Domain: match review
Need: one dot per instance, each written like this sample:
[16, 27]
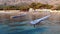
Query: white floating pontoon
[39, 20]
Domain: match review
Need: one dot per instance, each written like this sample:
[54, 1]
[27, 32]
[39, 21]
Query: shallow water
[48, 27]
[14, 28]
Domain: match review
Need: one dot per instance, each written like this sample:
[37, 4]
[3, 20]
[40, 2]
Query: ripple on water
[31, 31]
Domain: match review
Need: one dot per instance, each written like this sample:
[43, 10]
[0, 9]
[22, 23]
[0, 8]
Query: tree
[58, 7]
[47, 6]
[24, 8]
[35, 5]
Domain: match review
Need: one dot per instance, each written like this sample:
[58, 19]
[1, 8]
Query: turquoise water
[24, 28]
[16, 28]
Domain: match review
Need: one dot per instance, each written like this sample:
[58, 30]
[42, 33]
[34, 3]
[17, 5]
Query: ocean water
[20, 28]
[24, 28]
